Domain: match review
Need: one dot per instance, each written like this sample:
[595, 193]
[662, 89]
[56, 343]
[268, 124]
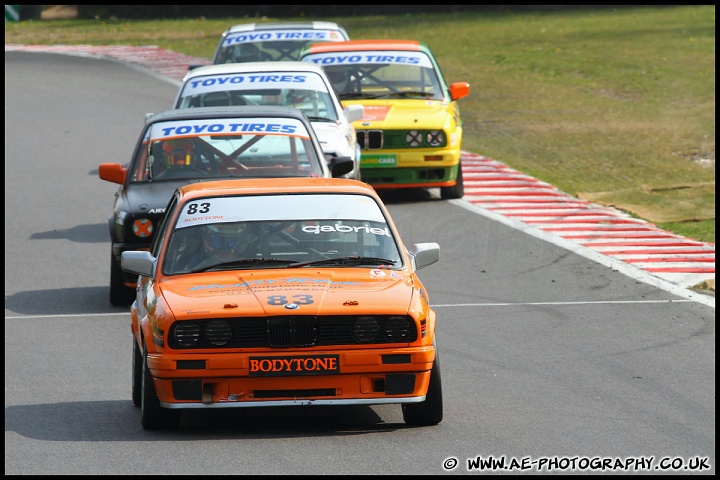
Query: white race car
[296, 84]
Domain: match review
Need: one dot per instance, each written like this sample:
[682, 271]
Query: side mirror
[339, 166]
[354, 112]
[424, 254]
[112, 172]
[459, 90]
[138, 262]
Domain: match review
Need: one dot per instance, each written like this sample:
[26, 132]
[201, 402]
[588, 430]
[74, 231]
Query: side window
[139, 165]
[161, 228]
[140, 173]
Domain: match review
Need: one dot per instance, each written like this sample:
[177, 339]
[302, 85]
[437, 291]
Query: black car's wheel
[429, 412]
[137, 372]
[120, 295]
[457, 190]
[154, 416]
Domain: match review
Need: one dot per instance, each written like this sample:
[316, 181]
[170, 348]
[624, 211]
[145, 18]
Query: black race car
[177, 147]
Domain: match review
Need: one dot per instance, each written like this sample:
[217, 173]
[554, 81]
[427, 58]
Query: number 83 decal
[284, 299]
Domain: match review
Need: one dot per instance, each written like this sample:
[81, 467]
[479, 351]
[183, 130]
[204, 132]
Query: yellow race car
[281, 292]
[411, 132]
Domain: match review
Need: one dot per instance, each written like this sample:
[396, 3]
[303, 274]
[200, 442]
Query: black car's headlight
[142, 227]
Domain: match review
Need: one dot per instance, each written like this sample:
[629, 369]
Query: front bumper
[410, 169]
[365, 376]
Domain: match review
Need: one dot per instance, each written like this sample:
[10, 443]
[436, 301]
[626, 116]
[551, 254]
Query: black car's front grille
[294, 331]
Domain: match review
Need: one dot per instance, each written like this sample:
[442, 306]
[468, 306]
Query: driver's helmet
[225, 238]
[178, 152]
[245, 52]
[338, 77]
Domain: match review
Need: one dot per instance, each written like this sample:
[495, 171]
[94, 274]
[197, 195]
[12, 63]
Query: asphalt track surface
[606, 235]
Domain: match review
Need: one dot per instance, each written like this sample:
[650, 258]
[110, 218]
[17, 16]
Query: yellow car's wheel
[457, 190]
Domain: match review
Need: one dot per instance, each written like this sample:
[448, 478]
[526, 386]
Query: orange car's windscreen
[280, 232]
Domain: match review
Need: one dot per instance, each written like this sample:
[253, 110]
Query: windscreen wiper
[320, 119]
[244, 262]
[347, 261]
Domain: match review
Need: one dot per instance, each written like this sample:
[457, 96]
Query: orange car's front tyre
[137, 372]
[154, 417]
[429, 412]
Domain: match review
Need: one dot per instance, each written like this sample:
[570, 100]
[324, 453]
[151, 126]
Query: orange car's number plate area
[296, 365]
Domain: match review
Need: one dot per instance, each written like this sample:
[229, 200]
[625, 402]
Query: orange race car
[277, 292]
